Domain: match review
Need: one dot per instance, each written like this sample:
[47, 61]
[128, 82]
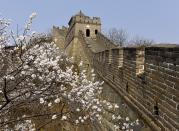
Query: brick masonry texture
[156, 84]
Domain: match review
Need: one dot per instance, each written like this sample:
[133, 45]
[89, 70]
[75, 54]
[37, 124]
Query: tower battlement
[81, 18]
[90, 26]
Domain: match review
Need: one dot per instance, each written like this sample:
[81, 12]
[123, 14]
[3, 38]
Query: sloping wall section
[148, 79]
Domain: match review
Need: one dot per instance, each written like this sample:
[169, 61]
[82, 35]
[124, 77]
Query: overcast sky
[153, 19]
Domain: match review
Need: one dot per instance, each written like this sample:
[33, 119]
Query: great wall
[147, 78]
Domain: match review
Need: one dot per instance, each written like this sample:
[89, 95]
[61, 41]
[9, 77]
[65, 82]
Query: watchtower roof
[80, 13]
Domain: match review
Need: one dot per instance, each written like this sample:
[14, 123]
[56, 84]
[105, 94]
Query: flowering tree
[40, 85]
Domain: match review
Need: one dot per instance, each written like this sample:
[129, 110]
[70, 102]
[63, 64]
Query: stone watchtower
[75, 42]
[80, 22]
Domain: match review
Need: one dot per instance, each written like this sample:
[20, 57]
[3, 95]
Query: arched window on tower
[87, 32]
[96, 32]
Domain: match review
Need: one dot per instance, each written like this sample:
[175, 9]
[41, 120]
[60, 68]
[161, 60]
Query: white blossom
[57, 100]
[26, 67]
[77, 109]
[116, 106]
[81, 63]
[54, 117]
[33, 15]
[82, 120]
[113, 117]
[41, 101]
[127, 118]
[33, 76]
[99, 110]
[77, 121]
[137, 122]
[64, 117]
[50, 104]
[23, 72]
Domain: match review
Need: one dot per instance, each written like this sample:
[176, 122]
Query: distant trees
[39, 85]
[117, 36]
[139, 41]
[120, 37]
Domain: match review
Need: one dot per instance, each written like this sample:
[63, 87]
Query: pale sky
[152, 19]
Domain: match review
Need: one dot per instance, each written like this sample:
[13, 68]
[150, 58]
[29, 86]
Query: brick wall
[59, 35]
[148, 78]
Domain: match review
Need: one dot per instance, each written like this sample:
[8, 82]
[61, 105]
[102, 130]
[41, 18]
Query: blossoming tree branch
[40, 85]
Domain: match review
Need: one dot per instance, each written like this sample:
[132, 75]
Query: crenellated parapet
[148, 79]
[87, 20]
[59, 35]
[102, 38]
[90, 26]
[80, 17]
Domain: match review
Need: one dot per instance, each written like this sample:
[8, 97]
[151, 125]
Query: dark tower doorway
[87, 33]
[96, 32]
